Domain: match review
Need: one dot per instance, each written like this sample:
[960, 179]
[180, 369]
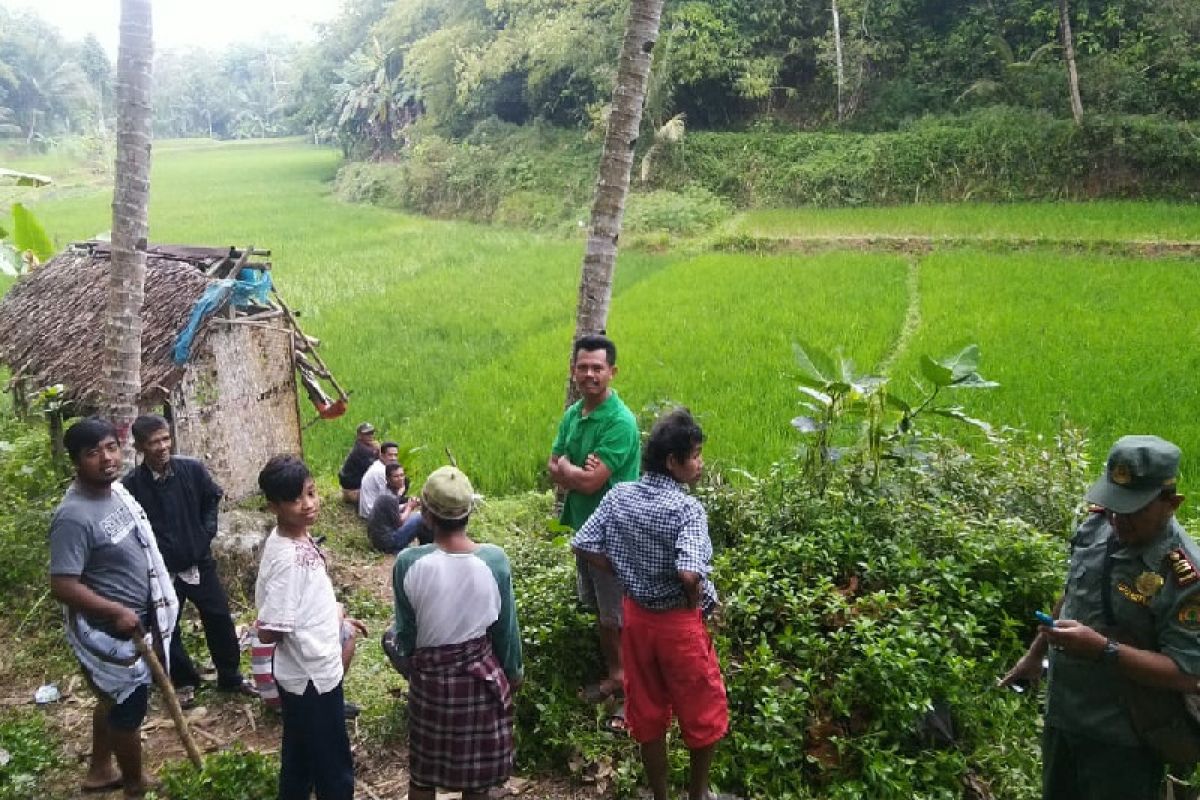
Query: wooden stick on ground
[164, 686]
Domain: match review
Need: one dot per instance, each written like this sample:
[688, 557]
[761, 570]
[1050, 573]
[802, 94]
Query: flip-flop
[601, 691]
[101, 788]
[615, 722]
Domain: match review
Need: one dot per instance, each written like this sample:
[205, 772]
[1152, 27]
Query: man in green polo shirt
[1126, 641]
[597, 446]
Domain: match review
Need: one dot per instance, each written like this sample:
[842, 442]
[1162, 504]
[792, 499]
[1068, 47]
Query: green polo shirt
[611, 432]
[1154, 607]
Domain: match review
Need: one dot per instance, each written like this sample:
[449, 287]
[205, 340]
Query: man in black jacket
[181, 500]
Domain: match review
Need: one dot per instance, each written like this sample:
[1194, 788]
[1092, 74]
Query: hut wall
[236, 405]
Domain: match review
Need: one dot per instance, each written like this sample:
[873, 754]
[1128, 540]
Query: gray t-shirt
[96, 539]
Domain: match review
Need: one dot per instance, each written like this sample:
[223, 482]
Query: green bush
[534, 175]
[31, 753]
[694, 210]
[234, 774]
[31, 485]
[849, 616]
[994, 153]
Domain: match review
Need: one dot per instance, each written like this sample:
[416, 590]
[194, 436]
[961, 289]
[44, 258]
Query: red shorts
[671, 666]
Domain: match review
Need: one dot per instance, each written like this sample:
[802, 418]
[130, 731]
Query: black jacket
[182, 510]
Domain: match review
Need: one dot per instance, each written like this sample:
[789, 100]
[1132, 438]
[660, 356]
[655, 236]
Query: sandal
[601, 691]
[101, 788]
[186, 695]
[615, 722]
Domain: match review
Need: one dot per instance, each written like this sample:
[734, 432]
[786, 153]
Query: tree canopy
[380, 65]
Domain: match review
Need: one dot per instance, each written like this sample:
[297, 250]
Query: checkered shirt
[651, 529]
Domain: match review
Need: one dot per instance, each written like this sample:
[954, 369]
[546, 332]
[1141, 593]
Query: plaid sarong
[460, 717]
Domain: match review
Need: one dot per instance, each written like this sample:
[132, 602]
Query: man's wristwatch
[1109, 654]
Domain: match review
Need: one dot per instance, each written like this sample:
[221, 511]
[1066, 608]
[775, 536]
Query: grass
[1099, 220]
[696, 332]
[1100, 342]
[455, 335]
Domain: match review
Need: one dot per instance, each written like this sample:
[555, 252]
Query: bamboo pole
[164, 685]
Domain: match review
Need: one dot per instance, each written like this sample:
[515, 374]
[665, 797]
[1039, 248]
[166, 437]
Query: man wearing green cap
[457, 641]
[1125, 647]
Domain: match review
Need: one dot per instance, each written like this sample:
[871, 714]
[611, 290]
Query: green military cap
[448, 494]
[1139, 468]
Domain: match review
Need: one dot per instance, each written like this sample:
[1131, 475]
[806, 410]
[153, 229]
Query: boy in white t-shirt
[298, 613]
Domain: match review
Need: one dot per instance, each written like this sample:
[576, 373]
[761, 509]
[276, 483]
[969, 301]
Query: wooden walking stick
[164, 685]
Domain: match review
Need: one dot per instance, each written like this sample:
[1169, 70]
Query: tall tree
[1068, 42]
[123, 322]
[616, 161]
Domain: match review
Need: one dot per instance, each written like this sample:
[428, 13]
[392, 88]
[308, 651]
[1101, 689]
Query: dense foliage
[861, 631]
[725, 63]
[31, 485]
[991, 154]
[232, 774]
[381, 65]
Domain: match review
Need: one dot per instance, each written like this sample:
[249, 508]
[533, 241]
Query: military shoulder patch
[1182, 567]
[1189, 614]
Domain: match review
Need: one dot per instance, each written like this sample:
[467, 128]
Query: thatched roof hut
[232, 403]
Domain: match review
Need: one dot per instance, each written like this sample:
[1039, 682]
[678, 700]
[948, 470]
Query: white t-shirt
[294, 596]
[461, 576]
[374, 483]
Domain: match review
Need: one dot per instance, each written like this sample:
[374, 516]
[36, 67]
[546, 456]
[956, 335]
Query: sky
[184, 23]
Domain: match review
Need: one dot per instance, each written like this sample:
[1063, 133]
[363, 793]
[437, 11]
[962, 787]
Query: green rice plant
[714, 333]
[1103, 342]
[1107, 220]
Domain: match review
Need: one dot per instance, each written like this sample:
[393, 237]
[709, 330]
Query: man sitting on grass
[654, 536]
[395, 520]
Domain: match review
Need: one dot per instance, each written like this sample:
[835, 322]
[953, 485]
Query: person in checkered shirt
[653, 536]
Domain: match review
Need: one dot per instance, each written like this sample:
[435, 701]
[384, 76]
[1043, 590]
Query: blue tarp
[252, 286]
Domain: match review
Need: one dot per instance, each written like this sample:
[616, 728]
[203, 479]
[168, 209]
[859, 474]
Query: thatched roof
[52, 323]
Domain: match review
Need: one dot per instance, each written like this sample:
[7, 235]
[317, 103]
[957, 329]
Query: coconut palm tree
[616, 162]
[123, 326]
[1068, 42]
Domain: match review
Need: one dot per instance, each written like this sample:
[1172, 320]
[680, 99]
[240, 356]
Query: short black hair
[388, 469]
[86, 434]
[676, 433]
[386, 445]
[282, 478]
[596, 341]
[441, 524]
[147, 425]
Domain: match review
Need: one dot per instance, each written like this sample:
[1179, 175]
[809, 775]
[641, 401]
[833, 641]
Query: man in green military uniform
[1126, 641]
[597, 447]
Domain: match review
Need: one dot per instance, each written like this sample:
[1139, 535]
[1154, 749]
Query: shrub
[234, 774]
[31, 485]
[852, 620]
[994, 153]
[692, 211]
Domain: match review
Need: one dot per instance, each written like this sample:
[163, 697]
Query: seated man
[395, 520]
[361, 457]
[374, 482]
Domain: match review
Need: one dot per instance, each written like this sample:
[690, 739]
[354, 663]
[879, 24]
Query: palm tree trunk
[841, 69]
[616, 162]
[123, 324]
[1068, 40]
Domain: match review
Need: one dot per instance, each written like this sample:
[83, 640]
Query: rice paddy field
[452, 335]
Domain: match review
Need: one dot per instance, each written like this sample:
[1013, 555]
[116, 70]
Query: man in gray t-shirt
[93, 538]
[99, 570]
